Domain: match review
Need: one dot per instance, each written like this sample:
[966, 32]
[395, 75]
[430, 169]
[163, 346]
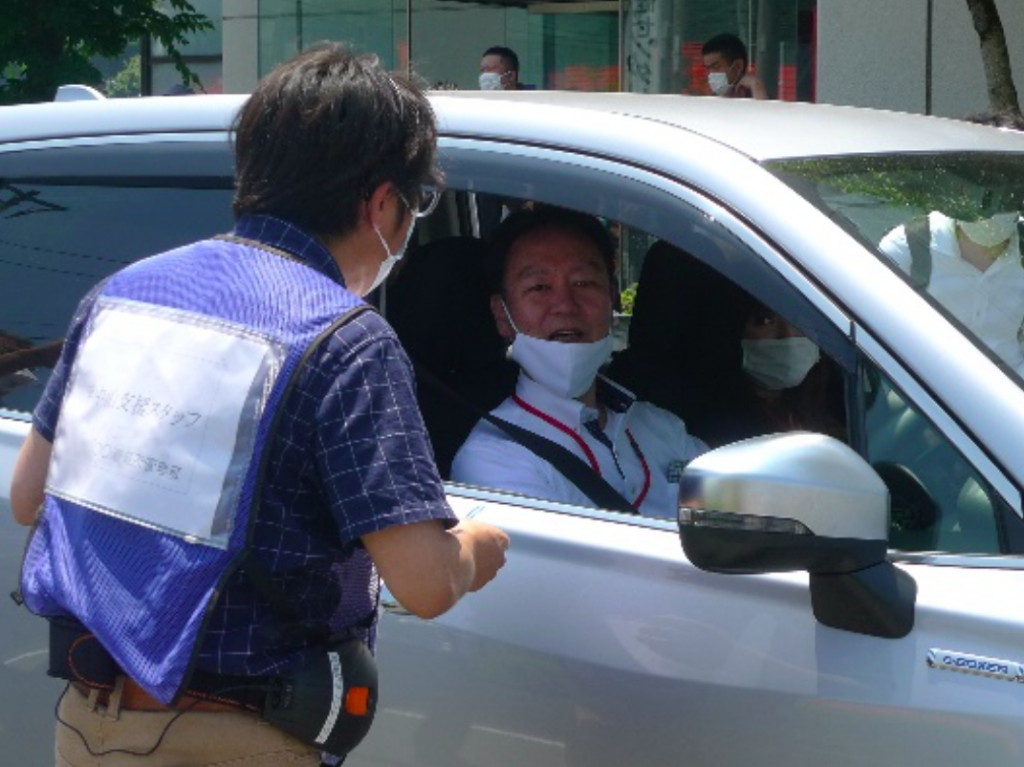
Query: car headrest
[440, 307]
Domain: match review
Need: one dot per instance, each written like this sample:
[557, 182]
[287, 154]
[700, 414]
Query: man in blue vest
[230, 451]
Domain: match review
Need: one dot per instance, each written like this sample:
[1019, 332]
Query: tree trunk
[1002, 95]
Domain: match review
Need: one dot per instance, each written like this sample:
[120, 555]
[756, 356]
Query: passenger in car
[551, 274]
[785, 385]
[709, 352]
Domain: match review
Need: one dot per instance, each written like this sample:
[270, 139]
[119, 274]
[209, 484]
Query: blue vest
[146, 593]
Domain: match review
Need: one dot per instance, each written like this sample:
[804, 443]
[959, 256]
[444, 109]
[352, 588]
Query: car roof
[771, 130]
[109, 117]
[760, 130]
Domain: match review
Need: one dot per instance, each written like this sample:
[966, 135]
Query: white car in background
[801, 621]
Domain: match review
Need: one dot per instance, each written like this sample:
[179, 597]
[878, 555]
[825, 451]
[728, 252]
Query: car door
[71, 212]
[600, 644]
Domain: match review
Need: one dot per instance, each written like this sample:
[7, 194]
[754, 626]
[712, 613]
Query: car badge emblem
[976, 665]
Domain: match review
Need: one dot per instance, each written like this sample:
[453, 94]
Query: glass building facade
[650, 46]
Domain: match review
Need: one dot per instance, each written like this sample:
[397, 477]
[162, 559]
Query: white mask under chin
[565, 369]
[779, 363]
[391, 259]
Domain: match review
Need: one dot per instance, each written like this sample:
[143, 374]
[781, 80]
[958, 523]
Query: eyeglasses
[429, 197]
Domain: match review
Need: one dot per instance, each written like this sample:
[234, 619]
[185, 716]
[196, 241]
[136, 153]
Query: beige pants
[189, 738]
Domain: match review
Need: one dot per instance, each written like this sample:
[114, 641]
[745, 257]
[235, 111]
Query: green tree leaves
[48, 43]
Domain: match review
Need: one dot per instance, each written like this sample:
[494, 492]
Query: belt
[134, 698]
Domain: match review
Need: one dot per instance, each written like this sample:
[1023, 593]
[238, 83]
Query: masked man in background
[725, 59]
[499, 70]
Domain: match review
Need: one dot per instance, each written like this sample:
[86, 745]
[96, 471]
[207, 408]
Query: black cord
[163, 734]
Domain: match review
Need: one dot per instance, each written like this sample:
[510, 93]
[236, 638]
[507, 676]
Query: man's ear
[374, 209]
[505, 329]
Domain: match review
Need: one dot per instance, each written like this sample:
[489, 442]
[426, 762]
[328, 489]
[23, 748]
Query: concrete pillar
[241, 50]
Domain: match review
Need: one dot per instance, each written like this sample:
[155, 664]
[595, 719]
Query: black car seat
[439, 305]
[682, 347]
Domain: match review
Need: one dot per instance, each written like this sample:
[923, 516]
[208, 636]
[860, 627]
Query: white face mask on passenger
[392, 258]
[564, 369]
[779, 363]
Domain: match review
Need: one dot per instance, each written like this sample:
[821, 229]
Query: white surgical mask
[718, 82]
[779, 363]
[990, 232]
[392, 258]
[491, 81]
[565, 369]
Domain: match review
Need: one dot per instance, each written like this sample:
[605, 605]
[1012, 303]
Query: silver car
[845, 597]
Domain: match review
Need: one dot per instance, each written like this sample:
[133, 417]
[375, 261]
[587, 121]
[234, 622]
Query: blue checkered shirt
[351, 456]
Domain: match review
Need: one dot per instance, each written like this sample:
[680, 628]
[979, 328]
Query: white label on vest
[158, 423]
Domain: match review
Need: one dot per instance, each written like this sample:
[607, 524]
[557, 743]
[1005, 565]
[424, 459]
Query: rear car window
[72, 215]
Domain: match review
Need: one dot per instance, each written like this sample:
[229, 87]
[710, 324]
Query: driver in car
[552, 276]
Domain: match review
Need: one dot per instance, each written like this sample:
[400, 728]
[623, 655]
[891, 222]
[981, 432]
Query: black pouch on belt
[77, 655]
[329, 703]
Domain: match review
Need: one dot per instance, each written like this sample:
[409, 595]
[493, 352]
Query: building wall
[869, 52]
[873, 53]
[241, 45]
[958, 81]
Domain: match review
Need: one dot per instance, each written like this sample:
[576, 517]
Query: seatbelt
[568, 464]
[919, 240]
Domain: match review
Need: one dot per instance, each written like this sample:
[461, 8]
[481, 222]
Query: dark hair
[1003, 118]
[511, 60]
[730, 46]
[527, 221]
[322, 131]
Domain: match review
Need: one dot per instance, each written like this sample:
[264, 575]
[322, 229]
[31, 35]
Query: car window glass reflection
[58, 240]
[938, 501]
[951, 223]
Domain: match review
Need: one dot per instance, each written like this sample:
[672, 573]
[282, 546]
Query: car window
[939, 502]
[685, 286]
[70, 217]
[951, 224]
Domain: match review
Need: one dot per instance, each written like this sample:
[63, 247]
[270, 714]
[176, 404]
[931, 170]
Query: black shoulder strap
[292, 629]
[569, 465]
[919, 240]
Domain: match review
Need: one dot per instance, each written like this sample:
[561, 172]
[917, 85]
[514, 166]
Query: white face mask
[779, 363]
[718, 82]
[490, 81]
[392, 258]
[990, 232]
[565, 369]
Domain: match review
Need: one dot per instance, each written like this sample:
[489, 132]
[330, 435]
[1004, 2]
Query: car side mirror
[799, 501]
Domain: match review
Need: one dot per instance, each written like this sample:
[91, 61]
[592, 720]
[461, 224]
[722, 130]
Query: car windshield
[951, 223]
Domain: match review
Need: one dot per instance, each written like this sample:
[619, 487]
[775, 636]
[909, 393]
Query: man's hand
[489, 547]
[28, 481]
[755, 84]
[429, 568]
